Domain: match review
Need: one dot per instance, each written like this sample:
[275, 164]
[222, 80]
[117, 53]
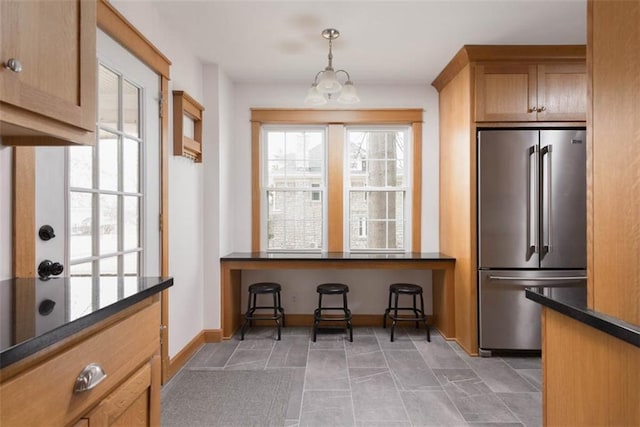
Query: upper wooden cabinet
[562, 92]
[48, 72]
[508, 92]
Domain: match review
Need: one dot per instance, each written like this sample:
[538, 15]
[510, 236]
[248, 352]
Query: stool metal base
[332, 289]
[278, 311]
[405, 289]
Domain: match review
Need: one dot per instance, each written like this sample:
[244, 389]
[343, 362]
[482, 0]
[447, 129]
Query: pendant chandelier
[327, 83]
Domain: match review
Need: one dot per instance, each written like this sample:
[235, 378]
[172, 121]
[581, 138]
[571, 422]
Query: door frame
[118, 28]
[115, 25]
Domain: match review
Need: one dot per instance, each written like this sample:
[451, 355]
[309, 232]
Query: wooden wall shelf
[187, 143]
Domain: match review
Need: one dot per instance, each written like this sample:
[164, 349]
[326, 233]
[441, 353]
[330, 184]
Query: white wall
[218, 96]
[228, 140]
[186, 189]
[368, 288]
[6, 209]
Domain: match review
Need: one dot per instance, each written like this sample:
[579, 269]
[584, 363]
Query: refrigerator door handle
[532, 201]
[546, 151]
[539, 279]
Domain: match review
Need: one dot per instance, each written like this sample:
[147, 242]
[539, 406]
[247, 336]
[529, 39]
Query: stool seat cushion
[332, 288]
[405, 288]
[264, 288]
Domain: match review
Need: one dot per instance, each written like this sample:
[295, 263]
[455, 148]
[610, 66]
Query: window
[336, 180]
[106, 200]
[104, 185]
[377, 187]
[293, 186]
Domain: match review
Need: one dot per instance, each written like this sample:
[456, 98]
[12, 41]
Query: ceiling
[381, 42]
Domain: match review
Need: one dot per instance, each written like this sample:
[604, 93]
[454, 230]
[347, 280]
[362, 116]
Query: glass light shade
[328, 82]
[314, 97]
[348, 94]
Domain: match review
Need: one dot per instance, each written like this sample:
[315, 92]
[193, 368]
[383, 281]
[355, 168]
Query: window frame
[336, 121]
[321, 190]
[407, 220]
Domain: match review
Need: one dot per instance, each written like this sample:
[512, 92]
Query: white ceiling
[381, 41]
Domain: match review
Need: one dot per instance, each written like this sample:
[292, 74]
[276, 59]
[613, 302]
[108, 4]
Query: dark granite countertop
[35, 314]
[336, 256]
[574, 305]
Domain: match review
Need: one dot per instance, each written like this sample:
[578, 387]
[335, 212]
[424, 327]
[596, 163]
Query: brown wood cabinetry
[494, 86]
[507, 92]
[129, 405]
[127, 351]
[589, 377]
[47, 77]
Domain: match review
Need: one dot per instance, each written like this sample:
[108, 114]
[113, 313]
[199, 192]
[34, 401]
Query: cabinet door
[505, 93]
[562, 92]
[54, 42]
[135, 403]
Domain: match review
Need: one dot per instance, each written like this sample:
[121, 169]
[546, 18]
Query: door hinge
[161, 101]
[160, 222]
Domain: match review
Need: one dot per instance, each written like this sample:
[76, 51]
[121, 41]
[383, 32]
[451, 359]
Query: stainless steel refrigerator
[531, 228]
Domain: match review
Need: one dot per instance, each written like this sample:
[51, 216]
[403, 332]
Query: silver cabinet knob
[533, 109]
[541, 109]
[91, 376]
[14, 65]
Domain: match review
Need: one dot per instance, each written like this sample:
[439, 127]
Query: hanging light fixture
[326, 82]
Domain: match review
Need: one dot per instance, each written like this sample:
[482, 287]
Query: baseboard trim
[212, 335]
[205, 336]
[179, 360]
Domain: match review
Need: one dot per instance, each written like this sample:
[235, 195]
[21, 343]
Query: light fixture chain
[330, 56]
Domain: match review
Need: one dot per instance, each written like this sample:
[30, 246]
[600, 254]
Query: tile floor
[374, 382]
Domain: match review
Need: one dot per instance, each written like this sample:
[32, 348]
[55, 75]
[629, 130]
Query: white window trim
[264, 189]
[406, 188]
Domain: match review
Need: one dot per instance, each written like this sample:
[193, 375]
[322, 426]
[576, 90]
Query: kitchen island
[442, 266]
[574, 306]
[591, 352]
[80, 350]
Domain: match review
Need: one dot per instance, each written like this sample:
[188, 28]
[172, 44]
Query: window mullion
[95, 205]
[120, 198]
[120, 217]
[335, 187]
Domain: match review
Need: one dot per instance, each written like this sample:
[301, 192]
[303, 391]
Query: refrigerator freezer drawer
[508, 320]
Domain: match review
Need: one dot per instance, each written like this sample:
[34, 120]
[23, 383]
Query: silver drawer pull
[14, 65]
[91, 376]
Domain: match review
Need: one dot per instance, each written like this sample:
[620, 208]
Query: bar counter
[442, 266]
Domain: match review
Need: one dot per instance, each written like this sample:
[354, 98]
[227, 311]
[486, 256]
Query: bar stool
[332, 289]
[397, 289]
[278, 313]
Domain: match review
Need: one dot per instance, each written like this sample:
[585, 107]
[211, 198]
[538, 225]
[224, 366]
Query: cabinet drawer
[119, 350]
